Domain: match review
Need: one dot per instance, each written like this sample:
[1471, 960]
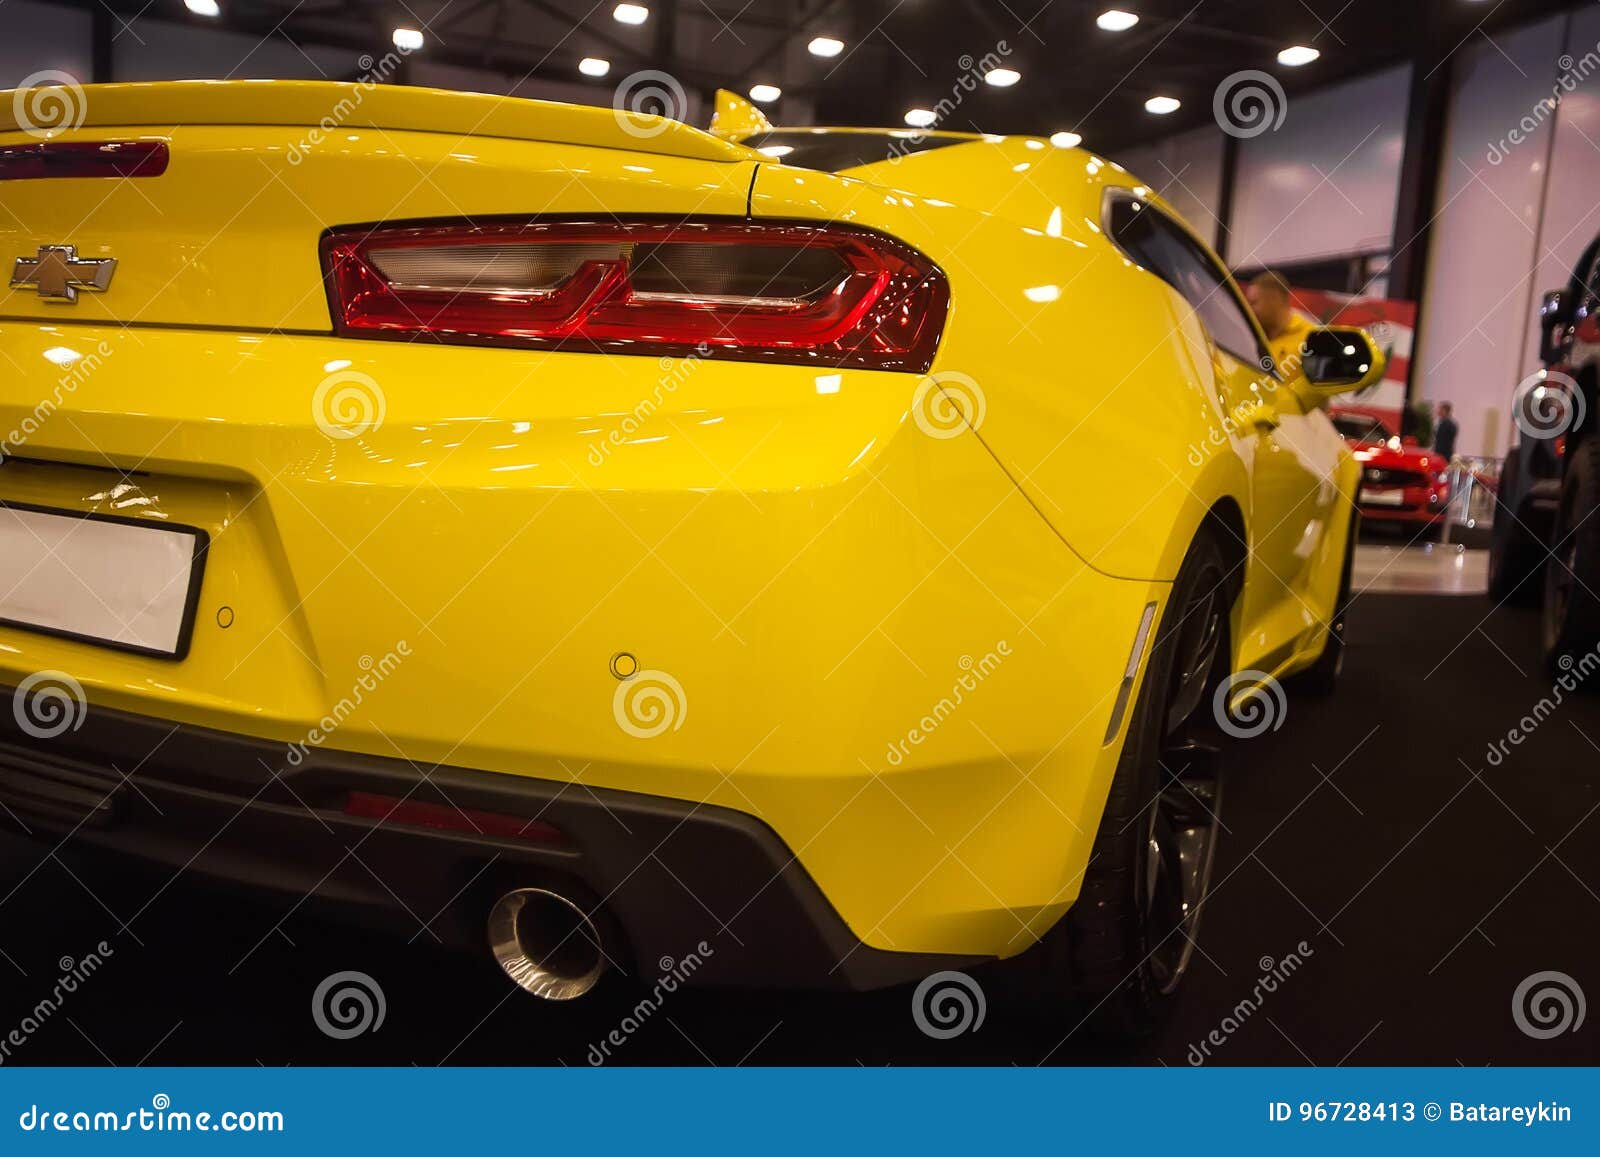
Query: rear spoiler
[736, 118]
[361, 105]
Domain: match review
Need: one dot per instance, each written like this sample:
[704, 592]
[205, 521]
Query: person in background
[1286, 327]
[1444, 432]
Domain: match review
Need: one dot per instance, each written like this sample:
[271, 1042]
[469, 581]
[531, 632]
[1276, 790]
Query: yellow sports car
[790, 557]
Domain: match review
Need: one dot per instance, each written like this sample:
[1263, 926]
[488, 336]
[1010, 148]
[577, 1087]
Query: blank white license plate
[116, 582]
[1383, 497]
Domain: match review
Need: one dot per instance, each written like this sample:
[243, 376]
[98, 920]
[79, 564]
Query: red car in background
[1400, 481]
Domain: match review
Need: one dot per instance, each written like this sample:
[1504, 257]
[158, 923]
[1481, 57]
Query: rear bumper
[866, 636]
[663, 878]
[1421, 515]
[1418, 505]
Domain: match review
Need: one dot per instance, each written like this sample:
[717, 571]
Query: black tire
[1322, 677]
[1117, 957]
[1572, 575]
[1516, 556]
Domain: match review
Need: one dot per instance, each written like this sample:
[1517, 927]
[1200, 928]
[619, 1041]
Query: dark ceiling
[1077, 76]
[901, 53]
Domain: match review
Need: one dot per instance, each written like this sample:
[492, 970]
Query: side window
[1149, 238]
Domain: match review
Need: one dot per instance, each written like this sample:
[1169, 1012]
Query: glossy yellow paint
[898, 638]
[464, 117]
[734, 118]
[228, 235]
[1105, 399]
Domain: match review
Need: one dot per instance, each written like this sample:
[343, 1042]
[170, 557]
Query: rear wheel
[1126, 944]
[1515, 552]
[1572, 575]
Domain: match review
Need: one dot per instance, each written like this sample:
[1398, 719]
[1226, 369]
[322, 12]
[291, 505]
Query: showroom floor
[1420, 568]
[1426, 880]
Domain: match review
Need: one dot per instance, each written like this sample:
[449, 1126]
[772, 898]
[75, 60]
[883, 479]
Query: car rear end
[445, 496]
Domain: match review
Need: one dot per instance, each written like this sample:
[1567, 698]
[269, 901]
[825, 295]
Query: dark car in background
[1546, 538]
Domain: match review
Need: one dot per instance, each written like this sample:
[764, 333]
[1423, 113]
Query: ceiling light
[825, 46]
[1002, 77]
[407, 39]
[765, 93]
[1297, 54]
[920, 118]
[630, 14]
[594, 66]
[1066, 140]
[1116, 20]
[203, 7]
[1162, 105]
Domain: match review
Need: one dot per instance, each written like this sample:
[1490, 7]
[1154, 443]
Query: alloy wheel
[1182, 823]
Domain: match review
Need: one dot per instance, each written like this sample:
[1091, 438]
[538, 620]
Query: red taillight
[422, 814]
[83, 159]
[811, 294]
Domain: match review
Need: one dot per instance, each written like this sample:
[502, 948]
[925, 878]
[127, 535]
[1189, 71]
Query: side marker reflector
[1141, 640]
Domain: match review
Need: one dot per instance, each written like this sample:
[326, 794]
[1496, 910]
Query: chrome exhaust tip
[545, 943]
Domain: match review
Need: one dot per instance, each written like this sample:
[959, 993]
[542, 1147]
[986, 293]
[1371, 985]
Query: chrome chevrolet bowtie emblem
[58, 273]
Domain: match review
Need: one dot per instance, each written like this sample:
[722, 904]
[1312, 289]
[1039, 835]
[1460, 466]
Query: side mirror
[1555, 316]
[1341, 360]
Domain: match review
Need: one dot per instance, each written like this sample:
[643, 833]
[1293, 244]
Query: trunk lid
[226, 235]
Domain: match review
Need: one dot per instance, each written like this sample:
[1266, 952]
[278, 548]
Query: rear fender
[1121, 444]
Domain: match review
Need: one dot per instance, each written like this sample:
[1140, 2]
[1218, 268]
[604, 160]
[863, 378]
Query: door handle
[1259, 414]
